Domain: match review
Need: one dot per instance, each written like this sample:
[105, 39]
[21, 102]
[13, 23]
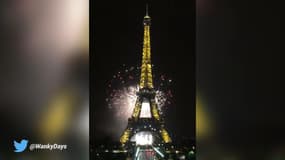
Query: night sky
[116, 39]
[237, 66]
[238, 74]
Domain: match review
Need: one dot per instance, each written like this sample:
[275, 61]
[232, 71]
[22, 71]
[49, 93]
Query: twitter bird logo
[20, 147]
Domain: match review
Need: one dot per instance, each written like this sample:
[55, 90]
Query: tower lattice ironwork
[145, 126]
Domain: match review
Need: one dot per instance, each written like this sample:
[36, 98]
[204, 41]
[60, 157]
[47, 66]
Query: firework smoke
[122, 91]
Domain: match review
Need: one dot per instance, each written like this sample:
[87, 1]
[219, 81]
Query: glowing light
[158, 152]
[146, 68]
[121, 97]
[165, 136]
[145, 111]
[143, 138]
[123, 101]
[125, 136]
[137, 152]
[204, 122]
[57, 117]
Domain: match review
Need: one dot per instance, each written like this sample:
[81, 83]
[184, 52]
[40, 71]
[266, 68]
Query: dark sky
[116, 39]
[238, 73]
[237, 61]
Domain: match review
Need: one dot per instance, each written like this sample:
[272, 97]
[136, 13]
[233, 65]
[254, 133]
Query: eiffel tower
[145, 127]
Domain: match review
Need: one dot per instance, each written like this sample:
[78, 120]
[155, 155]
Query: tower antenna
[146, 10]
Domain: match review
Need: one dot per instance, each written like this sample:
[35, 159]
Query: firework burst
[122, 91]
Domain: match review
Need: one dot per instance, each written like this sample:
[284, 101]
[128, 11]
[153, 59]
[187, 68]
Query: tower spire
[146, 10]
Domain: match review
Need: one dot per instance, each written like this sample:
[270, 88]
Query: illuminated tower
[145, 127]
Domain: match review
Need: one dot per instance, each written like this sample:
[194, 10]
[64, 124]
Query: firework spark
[122, 91]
